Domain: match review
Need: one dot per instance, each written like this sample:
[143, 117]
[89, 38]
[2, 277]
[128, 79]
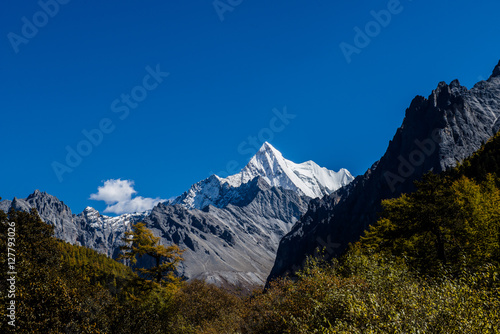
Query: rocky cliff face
[236, 243]
[100, 232]
[50, 209]
[436, 134]
[5, 205]
[89, 228]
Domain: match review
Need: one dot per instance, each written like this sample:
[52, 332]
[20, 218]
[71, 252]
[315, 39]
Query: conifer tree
[140, 242]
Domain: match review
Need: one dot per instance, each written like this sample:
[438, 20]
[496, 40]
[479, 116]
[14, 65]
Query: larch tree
[139, 242]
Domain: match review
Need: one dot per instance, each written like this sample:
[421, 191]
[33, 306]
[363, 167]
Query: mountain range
[230, 227]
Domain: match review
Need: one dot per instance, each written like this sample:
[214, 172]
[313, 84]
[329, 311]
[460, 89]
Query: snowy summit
[306, 178]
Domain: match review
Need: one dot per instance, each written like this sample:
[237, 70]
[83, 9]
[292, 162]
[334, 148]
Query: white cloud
[137, 204]
[114, 191]
[117, 194]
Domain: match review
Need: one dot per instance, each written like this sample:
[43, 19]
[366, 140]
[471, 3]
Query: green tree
[446, 222]
[49, 297]
[140, 242]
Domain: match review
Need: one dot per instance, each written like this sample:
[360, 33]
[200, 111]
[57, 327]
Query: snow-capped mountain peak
[306, 178]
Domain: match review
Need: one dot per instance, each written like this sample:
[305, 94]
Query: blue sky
[231, 69]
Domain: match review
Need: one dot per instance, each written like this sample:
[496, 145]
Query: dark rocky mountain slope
[436, 134]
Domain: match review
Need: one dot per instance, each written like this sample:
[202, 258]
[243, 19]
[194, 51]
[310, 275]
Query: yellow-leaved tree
[139, 242]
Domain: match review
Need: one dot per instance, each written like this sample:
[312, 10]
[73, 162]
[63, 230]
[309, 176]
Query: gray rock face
[219, 194]
[236, 243]
[88, 229]
[50, 210]
[5, 205]
[56, 212]
[436, 134]
[103, 233]
[19, 204]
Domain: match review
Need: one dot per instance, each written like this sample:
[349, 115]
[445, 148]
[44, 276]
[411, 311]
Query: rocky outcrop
[57, 213]
[5, 205]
